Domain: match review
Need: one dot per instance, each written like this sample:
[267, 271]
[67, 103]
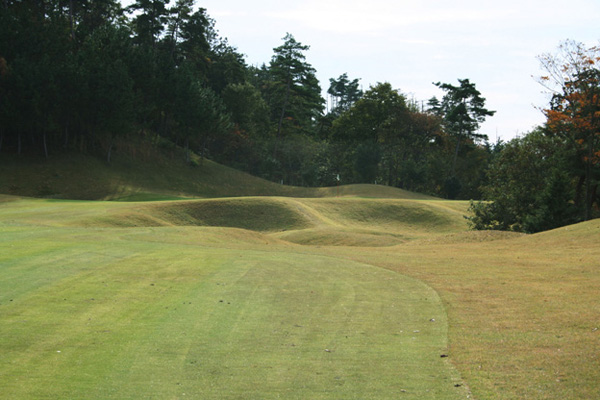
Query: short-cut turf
[203, 312]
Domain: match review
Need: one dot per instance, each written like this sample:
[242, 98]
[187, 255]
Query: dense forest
[95, 77]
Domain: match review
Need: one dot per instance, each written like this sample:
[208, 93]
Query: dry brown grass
[524, 312]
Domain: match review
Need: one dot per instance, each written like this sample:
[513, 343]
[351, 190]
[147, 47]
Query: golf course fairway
[204, 312]
[292, 298]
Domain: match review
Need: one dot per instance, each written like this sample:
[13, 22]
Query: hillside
[81, 177]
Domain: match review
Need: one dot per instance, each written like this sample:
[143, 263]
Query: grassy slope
[523, 310]
[82, 177]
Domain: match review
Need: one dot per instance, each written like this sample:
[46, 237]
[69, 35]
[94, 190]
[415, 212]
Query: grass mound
[368, 191]
[577, 235]
[374, 222]
[337, 222]
[77, 176]
[261, 214]
[390, 214]
[257, 214]
[470, 237]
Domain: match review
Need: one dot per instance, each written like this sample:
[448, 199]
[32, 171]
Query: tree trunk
[390, 173]
[579, 191]
[109, 153]
[66, 142]
[595, 196]
[164, 126]
[187, 150]
[203, 153]
[71, 21]
[45, 144]
[455, 156]
[280, 124]
[588, 182]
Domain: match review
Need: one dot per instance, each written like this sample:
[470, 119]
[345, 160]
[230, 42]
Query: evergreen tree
[294, 92]
[382, 123]
[108, 89]
[248, 141]
[462, 110]
[226, 67]
[528, 190]
[197, 34]
[344, 93]
[150, 19]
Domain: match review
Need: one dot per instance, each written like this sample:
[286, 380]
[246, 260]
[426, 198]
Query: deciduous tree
[574, 112]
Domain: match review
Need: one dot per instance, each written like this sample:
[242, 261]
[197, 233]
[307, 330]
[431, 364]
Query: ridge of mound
[367, 190]
[391, 214]
[582, 234]
[338, 237]
[471, 237]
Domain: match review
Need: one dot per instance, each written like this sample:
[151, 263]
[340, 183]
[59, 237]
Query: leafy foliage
[574, 112]
[529, 190]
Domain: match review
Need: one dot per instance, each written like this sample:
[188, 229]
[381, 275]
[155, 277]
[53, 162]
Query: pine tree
[295, 94]
[462, 109]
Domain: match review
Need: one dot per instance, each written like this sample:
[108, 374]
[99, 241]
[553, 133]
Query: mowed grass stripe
[123, 317]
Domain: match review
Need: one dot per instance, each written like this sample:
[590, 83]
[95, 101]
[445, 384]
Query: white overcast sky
[414, 43]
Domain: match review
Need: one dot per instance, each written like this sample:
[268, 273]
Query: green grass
[178, 311]
[130, 293]
[153, 177]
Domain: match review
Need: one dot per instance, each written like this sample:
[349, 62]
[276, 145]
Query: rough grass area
[523, 310]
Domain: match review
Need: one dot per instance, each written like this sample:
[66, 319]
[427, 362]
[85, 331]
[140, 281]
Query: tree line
[99, 78]
[90, 76]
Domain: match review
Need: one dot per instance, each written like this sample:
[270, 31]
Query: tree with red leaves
[574, 112]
